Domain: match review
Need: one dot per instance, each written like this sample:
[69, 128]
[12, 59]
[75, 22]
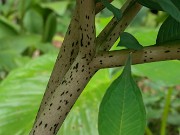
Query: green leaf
[152, 4]
[19, 107]
[58, 7]
[12, 47]
[174, 119]
[164, 73]
[171, 8]
[146, 36]
[50, 28]
[129, 41]
[28, 84]
[117, 12]
[31, 24]
[169, 31]
[82, 119]
[19, 43]
[7, 8]
[176, 2]
[122, 110]
[23, 6]
[8, 60]
[6, 28]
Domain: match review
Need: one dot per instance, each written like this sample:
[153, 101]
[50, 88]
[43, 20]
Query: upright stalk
[166, 112]
[148, 131]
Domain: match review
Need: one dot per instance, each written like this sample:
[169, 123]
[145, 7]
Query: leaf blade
[150, 4]
[117, 12]
[50, 27]
[170, 8]
[169, 31]
[129, 41]
[122, 99]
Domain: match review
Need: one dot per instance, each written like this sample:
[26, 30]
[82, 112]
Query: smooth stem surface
[166, 111]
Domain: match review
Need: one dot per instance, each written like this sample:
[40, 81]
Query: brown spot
[40, 123]
[78, 90]
[167, 51]
[59, 108]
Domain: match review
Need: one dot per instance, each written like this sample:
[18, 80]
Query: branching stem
[82, 54]
[111, 32]
[148, 54]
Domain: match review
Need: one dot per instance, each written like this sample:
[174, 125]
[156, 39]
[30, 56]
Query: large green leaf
[58, 7]
[25, 5]
[10, 60]
[31, 24]
[150, 4]
[50, 27]
[6, 28]
[171, 8]
[122, 110]
[21, 93]
[176, 2]
[164, 73]
[169, 31]
[19, 43]
[11, 49]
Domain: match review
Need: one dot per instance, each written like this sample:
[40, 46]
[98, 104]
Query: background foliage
[31, 34]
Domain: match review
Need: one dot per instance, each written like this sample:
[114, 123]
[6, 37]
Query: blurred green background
[31, 33]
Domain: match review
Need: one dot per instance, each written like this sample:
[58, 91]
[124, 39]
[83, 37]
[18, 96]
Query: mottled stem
[65, 93]
[66, 56]
[170, 51]
[77, 61]
[100, 6]
[111, 32]
[110, 26]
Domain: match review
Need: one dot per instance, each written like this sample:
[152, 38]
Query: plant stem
[22, 15]
[100, 6]
[148, 131]
[166, 112]
[153, 53]
[70, 44]
[111, 32]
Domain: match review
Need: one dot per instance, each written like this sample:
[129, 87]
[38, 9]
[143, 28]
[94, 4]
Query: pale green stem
[148, 131]
[166, 112]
